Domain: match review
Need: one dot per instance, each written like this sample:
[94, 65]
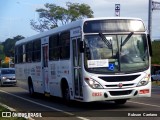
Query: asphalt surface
[53, 108]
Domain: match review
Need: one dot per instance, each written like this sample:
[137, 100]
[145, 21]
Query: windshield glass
[8, 71]
[116, 53]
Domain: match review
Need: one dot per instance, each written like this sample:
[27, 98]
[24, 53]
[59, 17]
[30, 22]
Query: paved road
[53, 108]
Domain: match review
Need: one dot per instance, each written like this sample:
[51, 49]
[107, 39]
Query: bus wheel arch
[65, 90]
[30, 87]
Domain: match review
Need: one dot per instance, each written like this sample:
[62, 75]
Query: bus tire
[66, 93]
[120, 102]
[31, 89]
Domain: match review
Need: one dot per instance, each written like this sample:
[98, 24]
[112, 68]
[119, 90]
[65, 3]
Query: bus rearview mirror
[149, 44]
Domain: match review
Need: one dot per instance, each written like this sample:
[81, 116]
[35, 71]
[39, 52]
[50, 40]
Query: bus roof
[73, 24]
[52, 31]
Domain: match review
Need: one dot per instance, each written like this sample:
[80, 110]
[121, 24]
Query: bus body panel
[59, 70]
[34, 71]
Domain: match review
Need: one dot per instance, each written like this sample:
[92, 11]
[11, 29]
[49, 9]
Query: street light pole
[150, 18]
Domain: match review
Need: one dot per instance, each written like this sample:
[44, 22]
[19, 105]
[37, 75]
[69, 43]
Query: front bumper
[9, 82]
[115, 94]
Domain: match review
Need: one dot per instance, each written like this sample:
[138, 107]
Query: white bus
[94, 59]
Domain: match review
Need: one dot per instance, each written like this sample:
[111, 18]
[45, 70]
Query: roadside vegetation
[156, 52]
[156, 83]
[7, 50]
[3, 109]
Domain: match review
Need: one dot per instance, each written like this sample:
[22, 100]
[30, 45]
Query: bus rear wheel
[120, 102]
[66, 94]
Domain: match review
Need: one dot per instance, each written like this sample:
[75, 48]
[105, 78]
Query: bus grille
[124, 85]
[119, 78]
[118, 93]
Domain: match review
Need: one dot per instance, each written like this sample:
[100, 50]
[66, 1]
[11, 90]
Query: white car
[7, 76]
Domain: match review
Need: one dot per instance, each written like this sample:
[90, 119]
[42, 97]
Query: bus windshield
[108, 53]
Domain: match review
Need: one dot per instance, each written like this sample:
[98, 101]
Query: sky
[15, 15]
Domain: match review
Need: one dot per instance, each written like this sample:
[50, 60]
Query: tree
[156, 51]
[53, 16]
[9, 45]
[1, 52]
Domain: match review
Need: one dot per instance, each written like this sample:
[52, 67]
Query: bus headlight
[144, 81]
[93, 83]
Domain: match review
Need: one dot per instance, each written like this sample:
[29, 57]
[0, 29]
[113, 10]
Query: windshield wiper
[127, 38]
[107, 42]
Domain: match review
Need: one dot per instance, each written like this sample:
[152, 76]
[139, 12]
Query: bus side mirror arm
[150, 44]
[81, 46]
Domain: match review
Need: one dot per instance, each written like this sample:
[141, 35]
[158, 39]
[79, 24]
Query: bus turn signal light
[145, 91]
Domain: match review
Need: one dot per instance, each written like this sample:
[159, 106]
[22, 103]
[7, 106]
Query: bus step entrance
[46, 94]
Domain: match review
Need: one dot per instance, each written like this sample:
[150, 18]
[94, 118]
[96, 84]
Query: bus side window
[20, 54]
[36, 57]
[29, 49]
[54, 51]
[24, 53]
[16, 54]
[65, 45]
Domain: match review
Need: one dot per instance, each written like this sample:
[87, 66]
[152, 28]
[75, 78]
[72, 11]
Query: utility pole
[150, 18]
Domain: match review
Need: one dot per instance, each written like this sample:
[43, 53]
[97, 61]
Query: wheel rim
[67, 95]
[30, 90]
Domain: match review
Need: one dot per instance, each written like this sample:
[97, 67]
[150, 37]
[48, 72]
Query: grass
[156, 83]
[2, 109]
[156, 51]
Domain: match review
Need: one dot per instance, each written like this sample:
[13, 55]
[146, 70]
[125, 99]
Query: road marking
[145, 104]
[7, 107]
[52, 108]
[82, 118]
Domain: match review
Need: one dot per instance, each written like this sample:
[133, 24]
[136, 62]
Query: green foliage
[9, 45]
[7, 49]
[1, 52]
[4, 65]
[53, 16]
[156, 52]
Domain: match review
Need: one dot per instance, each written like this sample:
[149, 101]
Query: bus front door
[45, 65]
[77, 71]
